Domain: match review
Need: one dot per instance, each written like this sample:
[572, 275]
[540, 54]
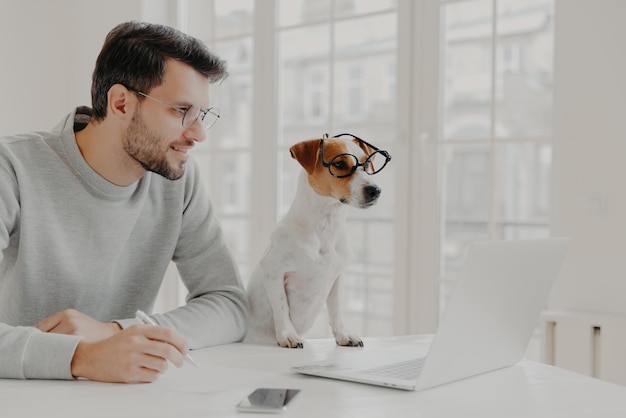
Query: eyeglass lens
[383, 160]
[343, 165]
[208, 117]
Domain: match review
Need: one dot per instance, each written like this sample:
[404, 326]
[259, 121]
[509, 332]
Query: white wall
[48, 51]
[590, 154]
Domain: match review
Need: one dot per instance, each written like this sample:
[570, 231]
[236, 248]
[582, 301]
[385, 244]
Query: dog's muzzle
[370, 194]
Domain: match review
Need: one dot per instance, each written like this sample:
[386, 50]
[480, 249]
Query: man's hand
[138, 354]
[72, 322]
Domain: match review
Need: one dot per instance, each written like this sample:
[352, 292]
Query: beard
[149, 150]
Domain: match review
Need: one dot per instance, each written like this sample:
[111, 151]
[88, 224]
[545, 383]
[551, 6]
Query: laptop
[487, 325]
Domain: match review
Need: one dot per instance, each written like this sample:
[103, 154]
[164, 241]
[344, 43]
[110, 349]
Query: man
[92, 213]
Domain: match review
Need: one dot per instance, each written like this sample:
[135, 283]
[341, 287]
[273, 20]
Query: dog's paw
[348, 340]
[290, 341]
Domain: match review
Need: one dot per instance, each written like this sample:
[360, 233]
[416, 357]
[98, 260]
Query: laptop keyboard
[409, 369]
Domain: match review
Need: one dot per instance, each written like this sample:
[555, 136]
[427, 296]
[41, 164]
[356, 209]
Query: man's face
[152, 150]
[156, 138]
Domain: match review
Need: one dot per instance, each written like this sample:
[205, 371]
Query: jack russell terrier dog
[307, 255]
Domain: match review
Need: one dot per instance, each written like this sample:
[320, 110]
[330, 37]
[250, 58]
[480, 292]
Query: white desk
[228, 373]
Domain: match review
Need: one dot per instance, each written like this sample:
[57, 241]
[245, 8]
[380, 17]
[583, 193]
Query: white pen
[145, 319]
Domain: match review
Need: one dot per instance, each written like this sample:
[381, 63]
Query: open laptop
[487, 324]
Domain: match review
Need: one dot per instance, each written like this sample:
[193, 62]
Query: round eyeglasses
[345, 164]
[190, 114]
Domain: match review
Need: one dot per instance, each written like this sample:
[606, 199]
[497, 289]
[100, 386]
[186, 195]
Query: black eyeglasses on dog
[345, 164]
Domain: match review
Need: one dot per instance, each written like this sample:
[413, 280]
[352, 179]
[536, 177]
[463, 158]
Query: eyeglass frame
[215, 111]
[358, 163]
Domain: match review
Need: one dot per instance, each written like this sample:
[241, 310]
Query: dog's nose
[371, 192]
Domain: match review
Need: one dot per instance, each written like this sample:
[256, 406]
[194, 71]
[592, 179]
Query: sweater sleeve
[26, 352]
[216, 311]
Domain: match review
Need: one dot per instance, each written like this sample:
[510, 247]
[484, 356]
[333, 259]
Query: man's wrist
[115, 326]
[79, 361]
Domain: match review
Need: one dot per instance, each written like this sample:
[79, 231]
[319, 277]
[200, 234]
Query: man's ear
[306, 153]
[119, 103]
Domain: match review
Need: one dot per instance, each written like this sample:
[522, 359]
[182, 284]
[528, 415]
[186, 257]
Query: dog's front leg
[286, 334]
[342, 335]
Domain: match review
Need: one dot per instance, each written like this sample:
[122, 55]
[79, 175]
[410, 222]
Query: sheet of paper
[204, 379]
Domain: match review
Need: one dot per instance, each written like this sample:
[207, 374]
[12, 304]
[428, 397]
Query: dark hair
[134, 55]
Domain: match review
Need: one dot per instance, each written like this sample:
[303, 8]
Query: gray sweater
[71, 239]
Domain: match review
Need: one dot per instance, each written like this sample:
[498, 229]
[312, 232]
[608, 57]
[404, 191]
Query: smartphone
[267, 400]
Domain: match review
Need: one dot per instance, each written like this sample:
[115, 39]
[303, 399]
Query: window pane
[524, 73]
[522, 190]
[294, 12]
[198, 18]
[304, 83]
[467, 69]
[226, 178]
[233, 17]
[365, 74]
[465, 208]
[234, 229]
[466, 199]
[234, 95]
[233, 188]
[369, 294]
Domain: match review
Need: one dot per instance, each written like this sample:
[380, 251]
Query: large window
[459, 92]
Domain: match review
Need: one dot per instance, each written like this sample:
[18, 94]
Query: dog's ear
[306, 153]
[368, 151]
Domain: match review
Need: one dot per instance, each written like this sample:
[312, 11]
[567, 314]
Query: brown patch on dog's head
[306, 153]
[347, 190]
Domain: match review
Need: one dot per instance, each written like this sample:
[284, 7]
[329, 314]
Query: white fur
[301, 268]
